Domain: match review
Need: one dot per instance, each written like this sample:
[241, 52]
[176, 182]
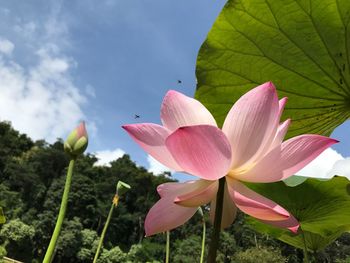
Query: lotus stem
[50, 250]
[167, 247]
[203, 240]
[100, 243]
[215, 237]
[306, 256]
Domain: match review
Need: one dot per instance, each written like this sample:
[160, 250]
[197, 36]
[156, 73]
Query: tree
[114, 255]
[12, 143]
[32, 178]
[69, 241]
[187, 250]
[17, 239]
[3, 252]
[261, 255]
[146, 252]
[89, 245]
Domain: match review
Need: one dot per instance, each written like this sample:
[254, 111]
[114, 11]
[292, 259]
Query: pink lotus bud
[77, 141]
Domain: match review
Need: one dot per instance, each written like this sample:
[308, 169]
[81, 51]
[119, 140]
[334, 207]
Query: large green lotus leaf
[322, 208]
[294, 180]
[314, 242]
[302, 46]
[2, 217]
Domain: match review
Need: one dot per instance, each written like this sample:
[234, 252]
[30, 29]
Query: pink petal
[251, 123]
[255, 204]
[81, 130]
[286, 160]
[202, 193]
[281, 104]
[201, 150]
[179, 110]
[229, 210]
[291, 223]
[280, 134]
[165, 215]
[173, 189]
[151, 137]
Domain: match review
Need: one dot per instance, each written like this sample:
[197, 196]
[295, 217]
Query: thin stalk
[306, 256]
[214, 243]
[167, 247]
[50, 250]
[203, 240]
[104, 232]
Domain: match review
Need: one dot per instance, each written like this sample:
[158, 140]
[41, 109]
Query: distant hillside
[32, 176]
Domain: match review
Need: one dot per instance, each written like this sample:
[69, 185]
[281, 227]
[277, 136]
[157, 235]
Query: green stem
[50, 250]
[104, 233]
[306, 256]
[214, 243]
[203, 240]
[167, 247]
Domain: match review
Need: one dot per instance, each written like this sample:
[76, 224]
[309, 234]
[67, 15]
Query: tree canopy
[32, 176]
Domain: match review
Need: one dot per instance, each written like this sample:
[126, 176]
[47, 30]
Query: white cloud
[326, 165]
[341, 167]
[6, 46]
[41, 100]
[156, 167]
[106, 156]
[40, 97]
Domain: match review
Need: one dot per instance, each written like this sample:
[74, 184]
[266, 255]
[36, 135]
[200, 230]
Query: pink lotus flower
[248, 148]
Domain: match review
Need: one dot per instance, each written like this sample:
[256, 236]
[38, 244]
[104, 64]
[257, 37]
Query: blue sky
[102, 61]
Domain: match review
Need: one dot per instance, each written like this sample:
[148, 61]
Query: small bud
[77, 141]
[122, 188]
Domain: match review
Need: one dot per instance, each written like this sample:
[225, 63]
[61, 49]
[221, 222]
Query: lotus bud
[77, 141]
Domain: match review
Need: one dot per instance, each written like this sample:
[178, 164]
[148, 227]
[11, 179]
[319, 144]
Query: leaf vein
[283, 66]
[324, 43]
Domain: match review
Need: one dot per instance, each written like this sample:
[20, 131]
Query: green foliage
[188, 250]
[347, 260]
[146, 252]
[227, 248]
[12, 143]
[32, 205]
[322, 208]
[32, 177]
[88, 246]
[115, 255]
[3, 252]
[70, 239]
[17, 231]
[301, 46]
[10, 201]
[17, 236]
[259, 254]
[338, 250]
